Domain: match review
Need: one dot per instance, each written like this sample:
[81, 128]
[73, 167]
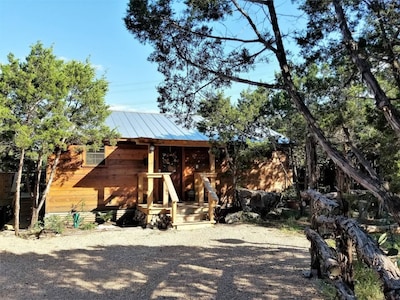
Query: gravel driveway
[224, 262]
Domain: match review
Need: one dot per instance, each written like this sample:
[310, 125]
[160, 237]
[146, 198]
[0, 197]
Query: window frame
[97, 157]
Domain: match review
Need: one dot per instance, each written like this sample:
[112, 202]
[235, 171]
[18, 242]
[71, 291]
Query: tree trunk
[311, 159]
[36, 194]
[381, 100]
[36, 209]
[17, 198]
[391, 202]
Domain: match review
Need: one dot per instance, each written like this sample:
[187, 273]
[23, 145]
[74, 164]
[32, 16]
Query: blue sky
[94, 29]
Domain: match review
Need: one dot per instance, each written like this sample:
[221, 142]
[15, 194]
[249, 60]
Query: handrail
[212, 203]
[174, 196]
[209, 188]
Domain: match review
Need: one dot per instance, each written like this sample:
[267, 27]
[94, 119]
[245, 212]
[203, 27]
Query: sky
[94, 30]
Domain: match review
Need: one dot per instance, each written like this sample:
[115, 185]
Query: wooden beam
[199, 188]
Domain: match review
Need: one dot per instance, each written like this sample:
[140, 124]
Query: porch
[184, 214]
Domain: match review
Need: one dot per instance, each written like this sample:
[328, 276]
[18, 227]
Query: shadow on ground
[230, 270]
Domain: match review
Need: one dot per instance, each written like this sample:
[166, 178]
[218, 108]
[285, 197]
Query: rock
[260, 202]
[8, 227]
[242, 216]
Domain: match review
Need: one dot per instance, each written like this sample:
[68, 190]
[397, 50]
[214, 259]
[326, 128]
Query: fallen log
[322, 206]
[320, 202]
[370, 253]
[325, 260]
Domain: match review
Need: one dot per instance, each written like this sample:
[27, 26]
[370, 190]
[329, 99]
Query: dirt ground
[224, 262]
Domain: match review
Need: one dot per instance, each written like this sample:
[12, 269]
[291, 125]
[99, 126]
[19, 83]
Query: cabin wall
[78, 186]
[85, 188]
[273, 174]
[270, 175]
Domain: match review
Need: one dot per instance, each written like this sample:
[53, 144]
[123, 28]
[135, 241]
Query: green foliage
[238, 126]
[47, 104]
[328, 290]
[291, 224]
[367, 283]
[54, 223]
[88, 226]
[105, 216]
[382, 239]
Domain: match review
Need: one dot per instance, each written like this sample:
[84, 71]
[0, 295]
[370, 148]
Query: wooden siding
[114, 185]
[271, 175]
[86, 188]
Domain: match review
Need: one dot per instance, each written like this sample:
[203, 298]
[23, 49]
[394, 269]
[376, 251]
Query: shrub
[54, 223]
[87, 226]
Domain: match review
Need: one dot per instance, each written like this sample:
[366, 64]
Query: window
[95, 157]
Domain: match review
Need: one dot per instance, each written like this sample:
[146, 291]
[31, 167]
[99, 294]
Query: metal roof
[131, 125]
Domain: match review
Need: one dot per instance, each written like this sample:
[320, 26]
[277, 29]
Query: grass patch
[367, 285]
[291, 224]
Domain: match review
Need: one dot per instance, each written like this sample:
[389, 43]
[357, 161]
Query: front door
[170, 160]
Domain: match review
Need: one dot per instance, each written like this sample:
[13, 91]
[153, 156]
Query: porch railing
[169, 190]
[202, 183]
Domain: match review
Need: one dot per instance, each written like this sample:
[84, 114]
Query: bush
[103, 217]
[87, 226]
[54, 223]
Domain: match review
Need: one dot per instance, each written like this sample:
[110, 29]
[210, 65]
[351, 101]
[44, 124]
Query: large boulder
[260, 202]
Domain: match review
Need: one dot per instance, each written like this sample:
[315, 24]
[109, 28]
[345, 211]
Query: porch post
[198, 183]
[150, 179]
[212, 161]
[212, 168]
[140, 188]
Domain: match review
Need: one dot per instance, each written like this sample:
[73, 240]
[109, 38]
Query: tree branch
[267, 44]
[381, 100]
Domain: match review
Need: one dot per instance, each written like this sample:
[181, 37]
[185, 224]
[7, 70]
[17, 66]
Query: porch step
[188, 215]
[185, 208]
[196, 217]
[192, 225]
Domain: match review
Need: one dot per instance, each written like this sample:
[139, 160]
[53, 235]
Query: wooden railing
[169, 190]
[336, 264]
[202, 182]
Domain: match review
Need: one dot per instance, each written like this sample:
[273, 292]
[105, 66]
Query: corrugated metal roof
[133, 125]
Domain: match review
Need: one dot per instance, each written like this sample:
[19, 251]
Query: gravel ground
[224, 262]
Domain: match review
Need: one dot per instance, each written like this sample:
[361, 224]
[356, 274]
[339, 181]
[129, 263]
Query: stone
[260, 202]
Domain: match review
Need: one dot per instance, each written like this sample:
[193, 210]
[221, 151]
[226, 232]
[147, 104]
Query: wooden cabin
[156, 166]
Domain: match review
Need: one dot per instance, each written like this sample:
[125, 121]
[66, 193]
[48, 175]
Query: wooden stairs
[190, 215]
